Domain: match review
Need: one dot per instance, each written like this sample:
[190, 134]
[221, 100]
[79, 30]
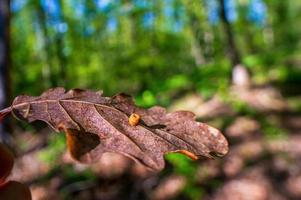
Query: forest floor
[262, 125]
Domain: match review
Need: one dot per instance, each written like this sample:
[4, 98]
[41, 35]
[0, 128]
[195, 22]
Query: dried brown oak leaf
[95, 124]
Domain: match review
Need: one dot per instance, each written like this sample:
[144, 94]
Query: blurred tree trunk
[240, 76]
[196, 46]
[4, 60]
[61, 59]
[195, 16]
[49, 79]
[232, 50]
[59, 51]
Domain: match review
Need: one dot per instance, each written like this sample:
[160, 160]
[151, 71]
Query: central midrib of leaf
[109, 107]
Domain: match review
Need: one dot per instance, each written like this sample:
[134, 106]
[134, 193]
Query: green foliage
[188, 168]
[135, 58]
[56, 147]
[272, 130]
[182, 164]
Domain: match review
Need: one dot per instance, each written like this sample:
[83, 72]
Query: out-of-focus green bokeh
[159, 52]
[155, 50]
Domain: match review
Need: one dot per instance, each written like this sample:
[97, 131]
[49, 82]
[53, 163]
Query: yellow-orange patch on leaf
[134, 119]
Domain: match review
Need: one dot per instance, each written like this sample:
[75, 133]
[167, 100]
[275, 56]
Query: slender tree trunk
[232, 50]
[4, 61]
[195, 19]
[49, 79]
[240, 75]
[61, 59]
[59, 51]
[196, 46]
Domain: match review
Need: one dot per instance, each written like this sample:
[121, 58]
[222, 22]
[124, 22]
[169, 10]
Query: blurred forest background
[235, 63]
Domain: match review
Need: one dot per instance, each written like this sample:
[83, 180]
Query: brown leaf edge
[3, 113]
[74, 138]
